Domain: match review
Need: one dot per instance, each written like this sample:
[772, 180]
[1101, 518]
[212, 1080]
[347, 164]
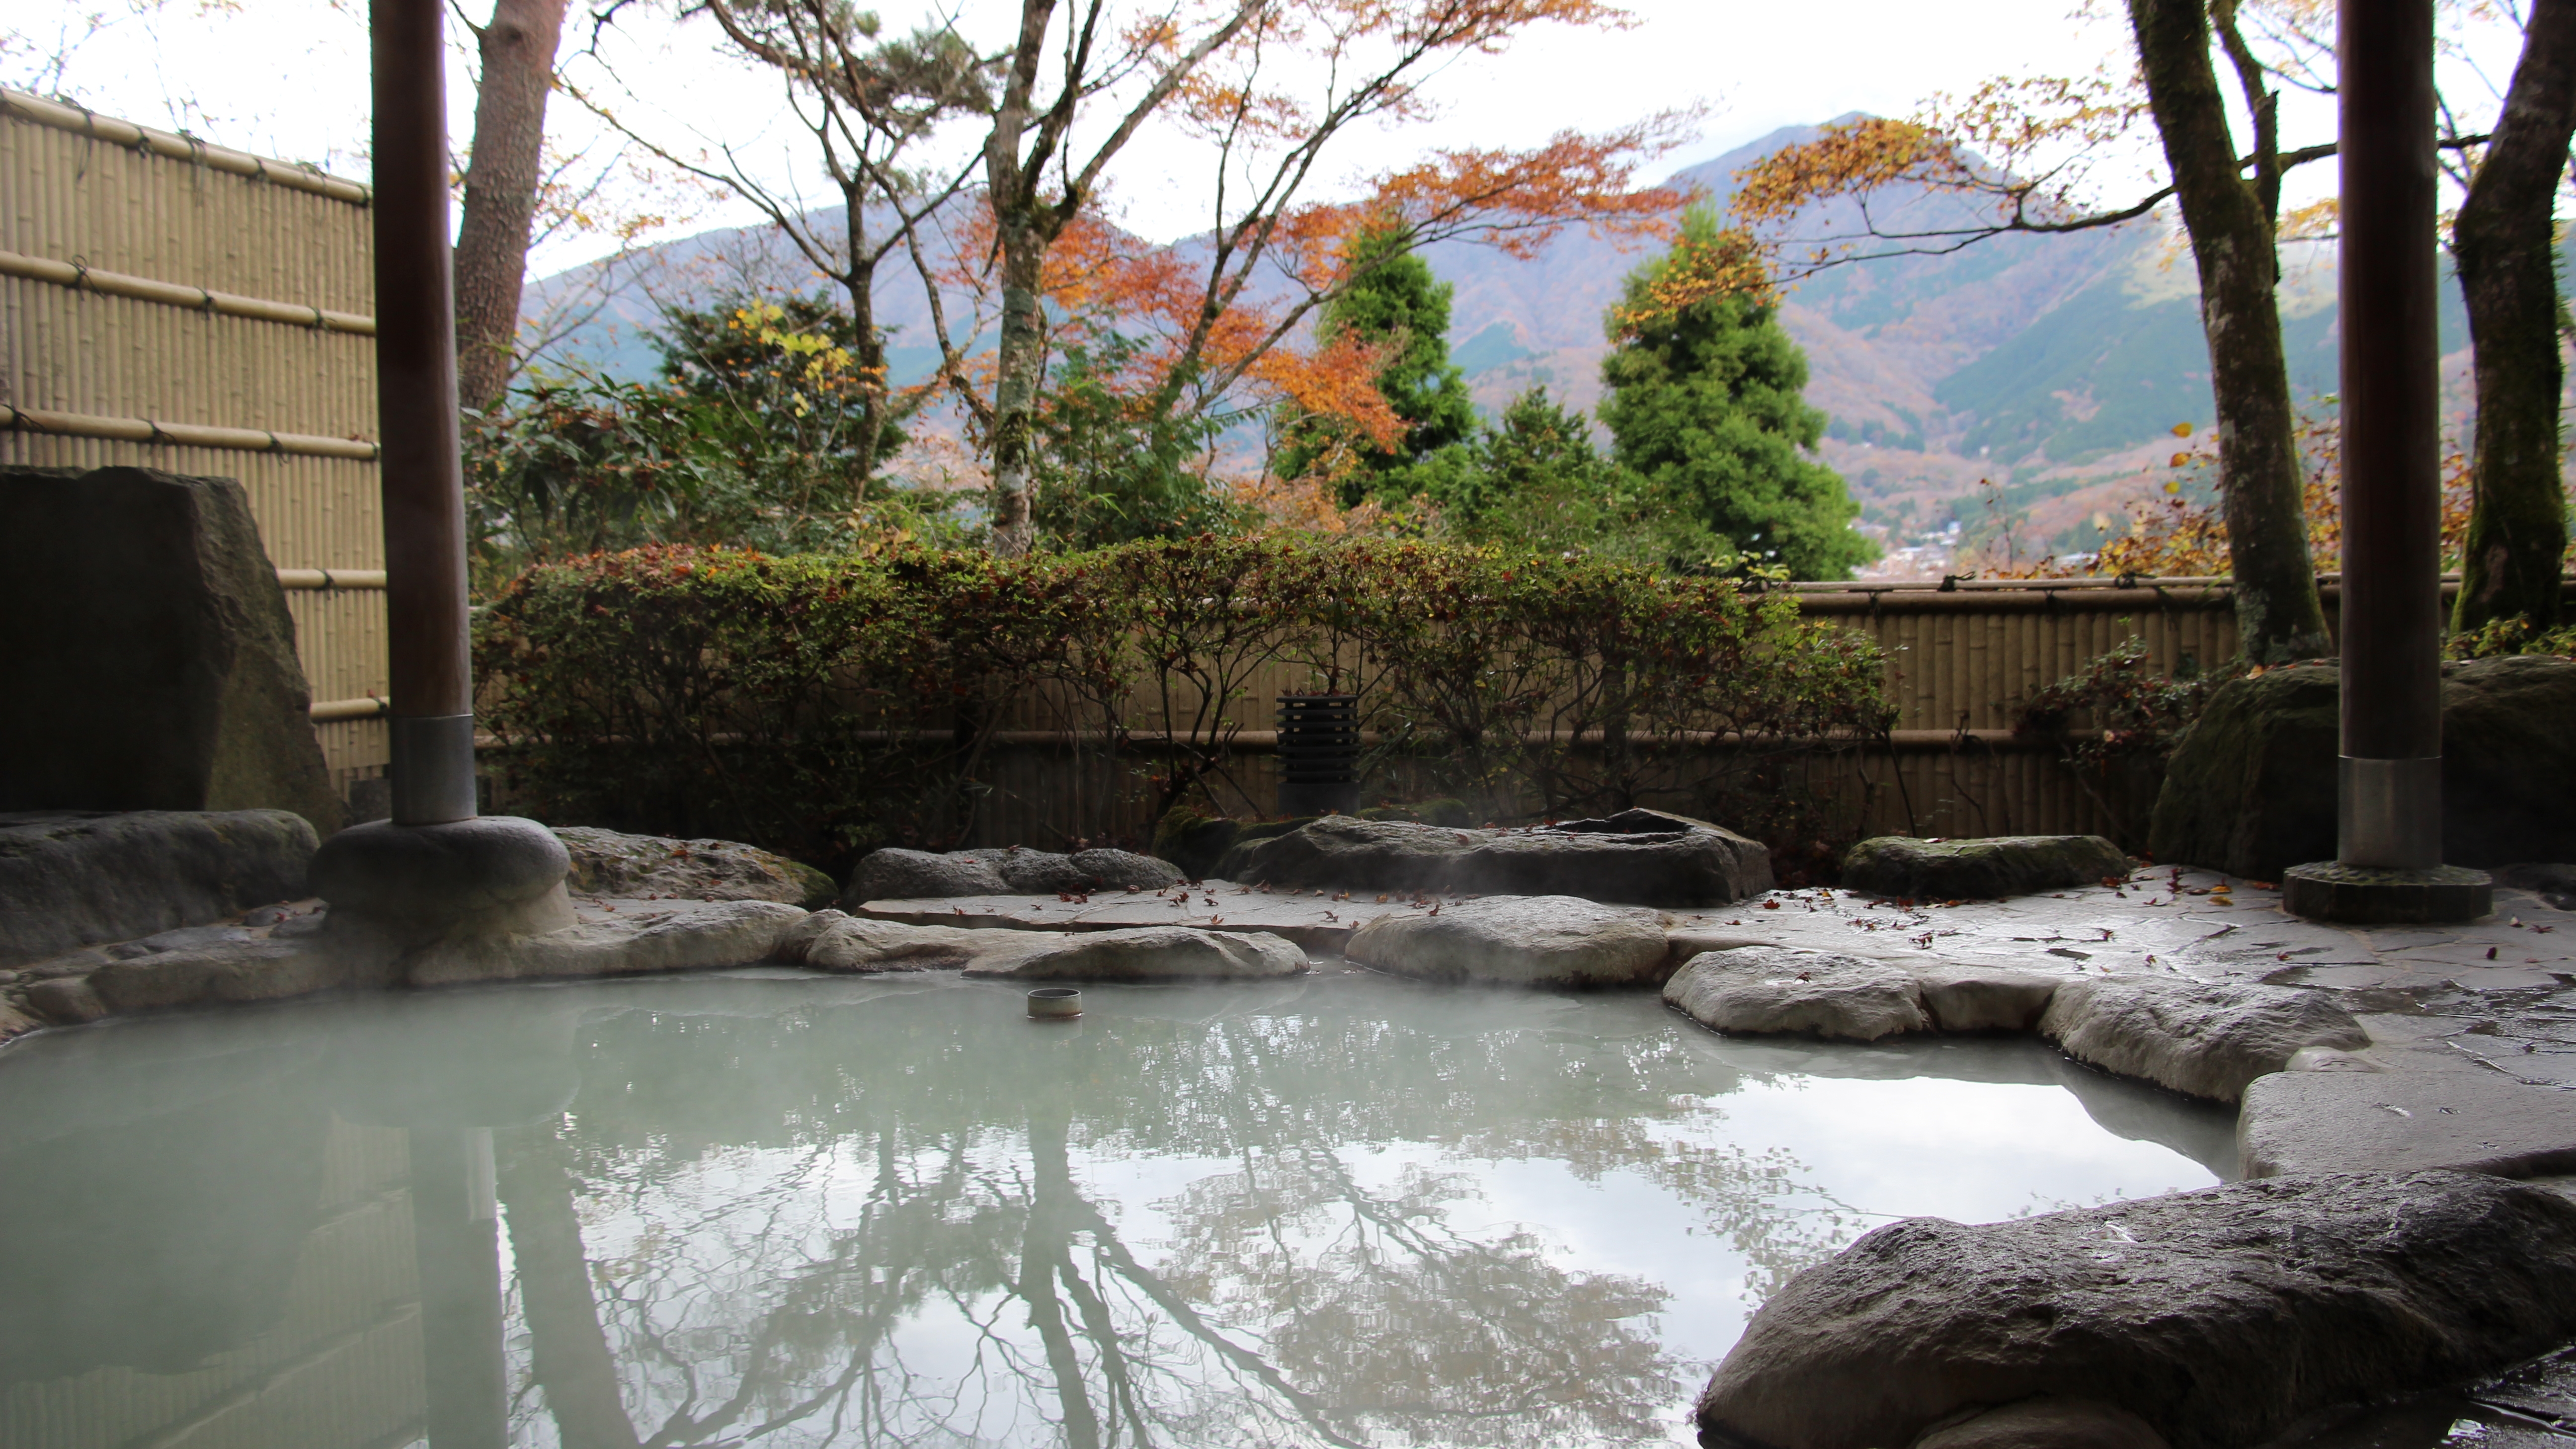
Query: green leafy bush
[822, 706]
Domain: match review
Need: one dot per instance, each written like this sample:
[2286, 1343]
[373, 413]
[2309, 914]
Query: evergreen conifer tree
[1396, 301]
[1706, 408]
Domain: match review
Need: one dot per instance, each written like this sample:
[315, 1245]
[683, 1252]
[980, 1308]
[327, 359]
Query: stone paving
[2476, 1022]
[2501, 990]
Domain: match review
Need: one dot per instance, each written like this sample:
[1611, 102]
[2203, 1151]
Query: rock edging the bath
[2220, 1317]
[70, 879]
[1988, 868]
[897, 874]
[633, 867]
[1519, 941]
[1636, 857]
[2204, 1039]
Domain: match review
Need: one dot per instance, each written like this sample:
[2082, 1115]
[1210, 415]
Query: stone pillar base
[395, 890]
[2328, 890]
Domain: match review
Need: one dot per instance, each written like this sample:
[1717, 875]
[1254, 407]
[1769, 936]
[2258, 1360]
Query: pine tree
[1706, 408]
[1397, 302]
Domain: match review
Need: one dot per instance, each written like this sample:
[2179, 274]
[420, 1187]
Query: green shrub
[823, 706]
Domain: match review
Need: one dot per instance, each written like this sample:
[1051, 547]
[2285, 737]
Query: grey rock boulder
[2202, 1038]
[1145, 953]
[1639, 857]
[1973, 998]
[1125, 870]
[2048, 1423]
[252, 970]
[1034, 872]
[638, 937]
[2220, 1318]
[69, 880]
[1775, 990]
[1982, 869]
[910, 875]
[2250, 789]
[1557, 941]
[146, 616]
[831, 941]
[610, 863]
[895, 874]
[2552, 881]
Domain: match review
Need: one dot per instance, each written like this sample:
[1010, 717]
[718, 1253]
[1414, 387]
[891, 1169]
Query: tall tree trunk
[1015, 393]
[859, 282]
[2504, 246]
[2278, 614]
[518, 50]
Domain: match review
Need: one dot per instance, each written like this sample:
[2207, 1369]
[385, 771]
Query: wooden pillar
[2390, 773]
[422, 469]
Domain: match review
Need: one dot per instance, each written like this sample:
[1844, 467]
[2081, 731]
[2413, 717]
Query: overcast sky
[288, 78]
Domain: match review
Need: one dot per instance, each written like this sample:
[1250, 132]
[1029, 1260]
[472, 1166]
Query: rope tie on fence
[80, 274]
[159, 436]
[274, 445]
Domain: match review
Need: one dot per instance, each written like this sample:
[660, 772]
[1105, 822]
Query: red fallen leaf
[1770, 905]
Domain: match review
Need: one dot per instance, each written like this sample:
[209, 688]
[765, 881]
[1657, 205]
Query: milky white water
[771, 1209]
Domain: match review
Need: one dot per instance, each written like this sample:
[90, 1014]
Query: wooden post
[2390, 774]
[422, 470]
[2388, 777]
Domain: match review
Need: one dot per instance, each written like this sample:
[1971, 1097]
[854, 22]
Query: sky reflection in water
[1340, 1211]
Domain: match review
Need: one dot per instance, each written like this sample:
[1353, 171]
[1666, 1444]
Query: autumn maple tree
[1269, 86]
[2022, 156]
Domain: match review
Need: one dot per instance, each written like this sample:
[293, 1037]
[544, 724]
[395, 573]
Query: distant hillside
[2053, 367]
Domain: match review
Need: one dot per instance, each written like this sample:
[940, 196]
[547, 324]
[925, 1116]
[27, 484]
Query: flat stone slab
[1320, 920]
[2337, 1121]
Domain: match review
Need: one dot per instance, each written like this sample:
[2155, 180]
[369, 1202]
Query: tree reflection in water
[1237, 1216]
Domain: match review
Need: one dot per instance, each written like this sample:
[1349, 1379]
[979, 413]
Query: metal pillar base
[2388, 813]
[432, 773]
[2358, 895]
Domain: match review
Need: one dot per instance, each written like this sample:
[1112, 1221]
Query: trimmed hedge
[823, 706]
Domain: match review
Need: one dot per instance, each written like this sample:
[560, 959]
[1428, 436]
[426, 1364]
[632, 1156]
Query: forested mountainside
[2051, 367]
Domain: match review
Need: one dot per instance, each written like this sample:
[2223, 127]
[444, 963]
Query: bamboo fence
[174, 305]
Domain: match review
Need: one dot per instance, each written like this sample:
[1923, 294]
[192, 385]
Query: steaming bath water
[770, 1209]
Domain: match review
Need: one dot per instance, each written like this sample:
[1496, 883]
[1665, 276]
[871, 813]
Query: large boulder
[2251, 786]
[831, 941]
[1767, 990]
[1002, 870]
[151, 656]
[1125, 870]
[1519, 941]
[1982, 869]
[636, 938]
[2219, 1317]
[2202, 1038]
[1146, 953]
[1641, 857]
[608, 863]
[69, 880]
[895, 874]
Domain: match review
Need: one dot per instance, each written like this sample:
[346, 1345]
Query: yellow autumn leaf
[2174, 487]
[2178, 460]
[2182, 430]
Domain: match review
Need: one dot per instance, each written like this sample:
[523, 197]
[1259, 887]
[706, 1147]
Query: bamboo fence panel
[137, 206]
